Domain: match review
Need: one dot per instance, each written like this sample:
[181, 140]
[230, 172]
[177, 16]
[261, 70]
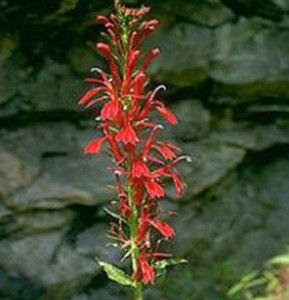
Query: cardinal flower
[94, 146]
[154, 189]
[139, 169]
[127, 135]
[142, 161]
[165, 229]
[147, 272]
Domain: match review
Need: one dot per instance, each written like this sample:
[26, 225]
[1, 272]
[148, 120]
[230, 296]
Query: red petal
[154, 52]
[94, 146]
[128, 136]
[148, 274]
[149, 143]
[167, 114]
[165, 229]
[102, 19]
[90, 94]
[141, 231]
[161, 254]
[140, 169]
[179, 184]
[166, 152]
[154, 189]
[103, 48]
[110, 110]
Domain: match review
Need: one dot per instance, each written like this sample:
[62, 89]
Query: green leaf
[162, 264]
[116, 274]
[279, 260]
[243, 284]
[235, 290]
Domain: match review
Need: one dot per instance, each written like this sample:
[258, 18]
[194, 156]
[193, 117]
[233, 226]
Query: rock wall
[226, 65]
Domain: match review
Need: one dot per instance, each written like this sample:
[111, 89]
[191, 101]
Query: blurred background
[226, 66]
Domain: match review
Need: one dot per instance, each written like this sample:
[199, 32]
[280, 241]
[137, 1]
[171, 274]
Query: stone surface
[207, 13]
[210, 163]
[9, 75]
[268, 9]
[45, 259]
[193, 120]
[60, 165]
[250, 60]
[93, 242]
[241, 207]
[173, 66]
[257, 138]
[14, 172]
[54, 82]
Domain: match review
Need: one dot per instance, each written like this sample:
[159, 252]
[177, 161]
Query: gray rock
[209, 12]
[238, 223]
[45, 259]
[81, 60]
[62, 183]
[182, 63]
[15, 287]
[10, 75]
[47, 171]
[257, 246]
[250, 61]
[282, 3]
[193, 120]
[253, 138]
[111, 291]
[267, 9]
[14, 172]
[54, 82]
[206, 13]
[24, 224]
[4, 211]
[211, 162]
[94, 242]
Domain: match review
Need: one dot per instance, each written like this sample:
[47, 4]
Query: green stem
[133, 237]
[138, 292]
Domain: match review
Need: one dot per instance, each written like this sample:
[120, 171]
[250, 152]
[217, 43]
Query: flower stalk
[142, 163]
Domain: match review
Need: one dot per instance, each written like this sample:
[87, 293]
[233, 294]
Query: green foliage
[116, 274]
[263, 284]
[162, 264]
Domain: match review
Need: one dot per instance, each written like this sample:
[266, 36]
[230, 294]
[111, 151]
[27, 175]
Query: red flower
[157, 255]
[114, 147]
[127, 135]
[166, 152]
[139, 169]
[154, 189]
[149, 143]
[148, 59]
[147, 272]
[165, 229]
[178, 182]
[105, 49]
[90, 94]
[142, 229]
[145, 162]
[166, 113]
[94, 146]
[110, 110]
[138, 191]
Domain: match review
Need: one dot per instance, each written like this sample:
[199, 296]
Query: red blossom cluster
[142, 163]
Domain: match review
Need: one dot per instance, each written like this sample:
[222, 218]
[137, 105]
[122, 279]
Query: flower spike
[142, 162]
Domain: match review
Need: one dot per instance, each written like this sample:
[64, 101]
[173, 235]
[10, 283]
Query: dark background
[226, 66]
